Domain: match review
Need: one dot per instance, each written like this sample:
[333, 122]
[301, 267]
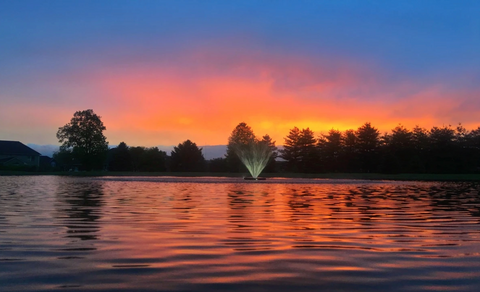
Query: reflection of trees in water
[240, 200]
[299, 201]
[360, 206]
[252, 203]
[251, 217]
[460, 197]
[185, 202]
[79, 207]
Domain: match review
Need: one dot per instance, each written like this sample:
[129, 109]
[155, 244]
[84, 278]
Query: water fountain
[254, 156]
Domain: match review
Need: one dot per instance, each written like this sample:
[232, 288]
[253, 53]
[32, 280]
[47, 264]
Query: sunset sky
[161, 72]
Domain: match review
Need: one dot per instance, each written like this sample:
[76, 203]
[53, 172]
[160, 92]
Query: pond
[218, 234]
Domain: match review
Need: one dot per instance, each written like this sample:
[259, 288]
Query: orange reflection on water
[212, 231]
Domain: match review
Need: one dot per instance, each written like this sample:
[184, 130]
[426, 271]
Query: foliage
[187, 157]
[241, 135]
[330, 148]
[120, 158]
[291, 150]
[300, 150]
[367, 147]
[271, 165]
[438, 150]
[138, 159]
[217, 165]
[83, 138]
[65, 160]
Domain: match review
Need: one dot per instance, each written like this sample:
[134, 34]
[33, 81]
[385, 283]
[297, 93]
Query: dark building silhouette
[17, 154]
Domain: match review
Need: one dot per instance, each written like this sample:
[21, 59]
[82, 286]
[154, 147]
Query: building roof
[16, 148]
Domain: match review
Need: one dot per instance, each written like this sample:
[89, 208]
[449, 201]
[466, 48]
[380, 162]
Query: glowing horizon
[161, 85]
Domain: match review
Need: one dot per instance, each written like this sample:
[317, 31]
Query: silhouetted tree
[153, 159]
[473, 144]
[367, 146]
[308, 151]
[421, 144]
[464, 153]
[187, 157]
[65, 160]
[120, 159]
[84, 137]
[291, 150]
[330, 150]
[300, 150]
[217, 165]
[442, 150]
[349, 158]
[147, 159]
[241, 135]
[398, 150]
[136, 155]
[271, 166]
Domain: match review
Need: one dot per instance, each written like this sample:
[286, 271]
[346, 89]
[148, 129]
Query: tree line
[443, 149]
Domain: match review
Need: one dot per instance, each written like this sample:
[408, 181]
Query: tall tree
[473, 144]
[84, 137]
[241, 135]
[349, 158]
[120, 159]
[187, 157]
[308, 151]
[398, 151]
[299, 150]
[421, 145]
[153, 159]
[271, 166]
[291, 149]
[137, 155]
[367, 145]
[330, 147]
[442, 150]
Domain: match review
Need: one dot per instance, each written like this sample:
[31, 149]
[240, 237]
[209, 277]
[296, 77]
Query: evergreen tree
[291, 150]
[241, 135]
[187, 157]
[271, 166]
[299, 150]
[349, 159]
[400, 150]
[330, 148]
[308, 151]
[153, 159]
[367, 147]
[442, 150]
[120, 159]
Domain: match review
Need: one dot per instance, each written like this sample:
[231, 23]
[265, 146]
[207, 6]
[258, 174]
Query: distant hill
[214, 151]
[46, 150]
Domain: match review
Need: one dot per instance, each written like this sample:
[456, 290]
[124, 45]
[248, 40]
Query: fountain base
[254, 178]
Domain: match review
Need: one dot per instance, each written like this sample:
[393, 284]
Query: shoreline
[471, 177]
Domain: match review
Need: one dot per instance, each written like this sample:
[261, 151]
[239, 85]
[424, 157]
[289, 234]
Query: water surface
[216, 234]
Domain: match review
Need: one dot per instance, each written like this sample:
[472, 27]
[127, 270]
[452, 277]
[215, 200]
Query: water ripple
[217, 234]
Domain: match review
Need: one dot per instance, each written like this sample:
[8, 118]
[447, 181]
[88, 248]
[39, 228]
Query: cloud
[204, 92]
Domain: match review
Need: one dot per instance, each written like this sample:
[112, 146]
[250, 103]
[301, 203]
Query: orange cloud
[157, 105]
[203, 95]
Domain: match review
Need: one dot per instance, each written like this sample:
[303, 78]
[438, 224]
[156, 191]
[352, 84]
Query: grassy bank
[363, 176]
